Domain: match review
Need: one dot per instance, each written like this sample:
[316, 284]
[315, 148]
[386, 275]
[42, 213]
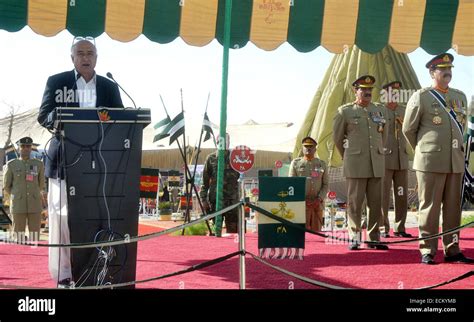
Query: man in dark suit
[80, 87]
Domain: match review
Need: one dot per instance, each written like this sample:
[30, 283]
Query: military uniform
[439, 160]
[396, 166]
[24, 181]
[230, 189]
[358, 134]
[317, 182]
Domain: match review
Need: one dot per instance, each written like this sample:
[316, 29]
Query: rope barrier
[411, 240]
[300, 277]
[126, 240]
[112, 286]
[223, 258]
[332, 286]
[458, 278]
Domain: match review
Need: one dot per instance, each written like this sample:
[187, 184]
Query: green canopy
[434, 25]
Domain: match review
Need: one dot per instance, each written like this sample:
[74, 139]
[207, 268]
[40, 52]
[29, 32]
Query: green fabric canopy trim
[240, 23]
[86, 18]
[162, 20]
[306, 25]
[438, 25]
[373, 25]
[13, 14]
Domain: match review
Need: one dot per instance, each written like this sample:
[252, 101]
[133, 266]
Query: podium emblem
[104, 116]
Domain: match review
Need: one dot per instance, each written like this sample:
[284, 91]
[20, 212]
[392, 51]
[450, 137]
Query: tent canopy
[434, 25]
[336, 90]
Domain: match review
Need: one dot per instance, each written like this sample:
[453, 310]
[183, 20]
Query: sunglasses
[88, 38]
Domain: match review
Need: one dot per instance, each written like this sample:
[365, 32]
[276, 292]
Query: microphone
[109, 75]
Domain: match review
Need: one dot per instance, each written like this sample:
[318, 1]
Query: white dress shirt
[86, 92]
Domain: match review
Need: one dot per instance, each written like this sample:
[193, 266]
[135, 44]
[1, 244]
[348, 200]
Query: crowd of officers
[372, 139]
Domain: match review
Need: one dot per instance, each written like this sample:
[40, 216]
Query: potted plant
[165, 210]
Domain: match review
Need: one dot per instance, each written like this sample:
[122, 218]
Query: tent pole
[223, 120]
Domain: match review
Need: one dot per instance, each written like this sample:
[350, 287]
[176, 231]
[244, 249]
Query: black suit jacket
[55, 95]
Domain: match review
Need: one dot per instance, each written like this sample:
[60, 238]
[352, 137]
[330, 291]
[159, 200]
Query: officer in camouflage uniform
[358, 135]
[433, 125]
[230, 188]
[396, 162]
[24, 181]
[317, 182]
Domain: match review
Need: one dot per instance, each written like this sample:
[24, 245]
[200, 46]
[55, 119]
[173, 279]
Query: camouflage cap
[25, 141]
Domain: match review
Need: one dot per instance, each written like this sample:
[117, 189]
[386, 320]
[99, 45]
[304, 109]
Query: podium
[101, 158]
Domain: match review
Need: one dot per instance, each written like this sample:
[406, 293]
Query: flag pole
[187, 179]
[200, 139]
[187, 171]
[195, 168]
[221, 147]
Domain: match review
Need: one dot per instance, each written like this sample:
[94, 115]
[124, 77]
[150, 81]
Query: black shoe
[403, 234]
[65, 283]
[379, 247]
[459, 258]
[427, 259]
[353, 246]
[385, 235]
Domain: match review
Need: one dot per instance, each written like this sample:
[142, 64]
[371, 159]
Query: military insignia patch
[437, 120]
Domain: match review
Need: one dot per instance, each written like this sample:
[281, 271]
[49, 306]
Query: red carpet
[148, 229]
[330, 263]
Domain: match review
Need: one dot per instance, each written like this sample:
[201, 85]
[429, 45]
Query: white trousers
[59, 258]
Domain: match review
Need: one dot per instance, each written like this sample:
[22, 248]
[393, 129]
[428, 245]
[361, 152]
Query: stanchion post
[242, 236]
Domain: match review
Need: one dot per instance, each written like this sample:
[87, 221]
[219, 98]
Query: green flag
[283, 197]
[470, 126]
[162, 128]
[207, 127]
[177, 127]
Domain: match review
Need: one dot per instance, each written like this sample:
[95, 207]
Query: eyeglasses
[78, 39]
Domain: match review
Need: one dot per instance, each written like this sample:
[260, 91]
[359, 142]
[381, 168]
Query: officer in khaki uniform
[24, 181]
[317, 182]
[433, 126]
[358, 135]
[396, 162]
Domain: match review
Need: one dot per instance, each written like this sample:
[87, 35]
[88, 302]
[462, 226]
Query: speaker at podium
[101, 160]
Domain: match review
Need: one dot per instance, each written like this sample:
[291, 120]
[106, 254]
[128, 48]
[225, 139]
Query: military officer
[24, 181]
[396, 162]
[230, 188]
[317, 181]
[433, 125]
[358, 135]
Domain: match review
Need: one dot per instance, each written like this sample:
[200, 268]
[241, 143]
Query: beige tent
[335, 90]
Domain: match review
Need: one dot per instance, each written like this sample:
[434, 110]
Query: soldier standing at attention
[358, 135]
[396, 163]
[230, 188]
[317, 181]
[24, 181]
[433, 125]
